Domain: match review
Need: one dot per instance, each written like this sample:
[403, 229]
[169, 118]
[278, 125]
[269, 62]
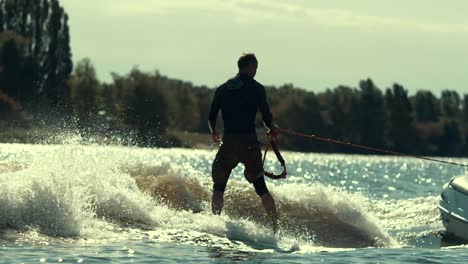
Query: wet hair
[246, 59]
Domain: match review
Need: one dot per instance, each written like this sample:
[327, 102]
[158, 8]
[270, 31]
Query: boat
[453, 207]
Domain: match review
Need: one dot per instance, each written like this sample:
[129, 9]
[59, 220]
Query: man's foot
[275, 227]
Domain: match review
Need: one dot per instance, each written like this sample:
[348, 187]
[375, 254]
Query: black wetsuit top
[239, 99]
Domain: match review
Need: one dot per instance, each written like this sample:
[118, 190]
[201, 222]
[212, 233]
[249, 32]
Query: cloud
[342, 18]
[248, 11]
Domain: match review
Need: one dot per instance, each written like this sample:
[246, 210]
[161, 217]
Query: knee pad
[260, 186]
[219, 187]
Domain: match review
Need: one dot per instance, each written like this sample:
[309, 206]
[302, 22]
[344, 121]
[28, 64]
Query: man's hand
[272, 135]
[215, 137]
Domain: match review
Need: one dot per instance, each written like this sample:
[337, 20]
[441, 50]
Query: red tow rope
[272, 143]
[352, 145]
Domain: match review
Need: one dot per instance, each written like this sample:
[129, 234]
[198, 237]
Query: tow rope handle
[275, 148]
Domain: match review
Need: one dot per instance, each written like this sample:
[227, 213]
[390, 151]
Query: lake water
[94, 204]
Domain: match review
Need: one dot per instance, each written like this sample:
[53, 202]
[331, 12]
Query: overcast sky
[314, 44]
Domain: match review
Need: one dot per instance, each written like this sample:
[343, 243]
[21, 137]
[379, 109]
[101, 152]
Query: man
[239, 99]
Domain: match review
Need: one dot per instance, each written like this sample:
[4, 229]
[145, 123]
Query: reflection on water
[102, 204]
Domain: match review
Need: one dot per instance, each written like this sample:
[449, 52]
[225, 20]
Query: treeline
[38, 87]
[143, 106]
[153, 104]
[148, 107]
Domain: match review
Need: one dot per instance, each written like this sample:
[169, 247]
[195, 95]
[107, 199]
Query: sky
[313, 44]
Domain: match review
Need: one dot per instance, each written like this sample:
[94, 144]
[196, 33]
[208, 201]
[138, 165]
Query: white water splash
[91, 192]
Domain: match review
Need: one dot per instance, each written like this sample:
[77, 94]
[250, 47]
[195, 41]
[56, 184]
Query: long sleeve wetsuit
[239, 99]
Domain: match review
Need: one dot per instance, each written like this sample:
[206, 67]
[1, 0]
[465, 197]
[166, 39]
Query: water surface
[94, 204]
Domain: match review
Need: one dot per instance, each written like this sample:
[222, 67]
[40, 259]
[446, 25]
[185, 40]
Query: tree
[17, 74]
[146, 108]
[450, 102]
[426, 106]
[401, 133]
[45, 25]
[11, 66]
[184, 106]
[451, 140]
[465, 107]
[372, 114]
[344, 115]
[84, 89]
[203, 96]
[312, 122]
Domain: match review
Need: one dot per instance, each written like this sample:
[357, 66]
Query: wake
[100, 193]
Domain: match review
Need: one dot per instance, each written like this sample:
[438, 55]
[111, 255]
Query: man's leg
[253, 162]
[223, 164]
[270, 207]
[267, 201]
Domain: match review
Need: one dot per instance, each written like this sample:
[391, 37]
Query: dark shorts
[245, 149]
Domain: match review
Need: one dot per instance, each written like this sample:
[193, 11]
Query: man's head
[248, 64]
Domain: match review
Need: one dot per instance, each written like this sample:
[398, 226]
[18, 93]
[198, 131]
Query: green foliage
[450, 103]
[45, 55]
[141, 105]
[15, 76]
[401, 133]
[449, 142]
[84, 87]
[426, 106]
[146, 107]
[203, 97]
[371, 114]
[465, 107]
[344, 115]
